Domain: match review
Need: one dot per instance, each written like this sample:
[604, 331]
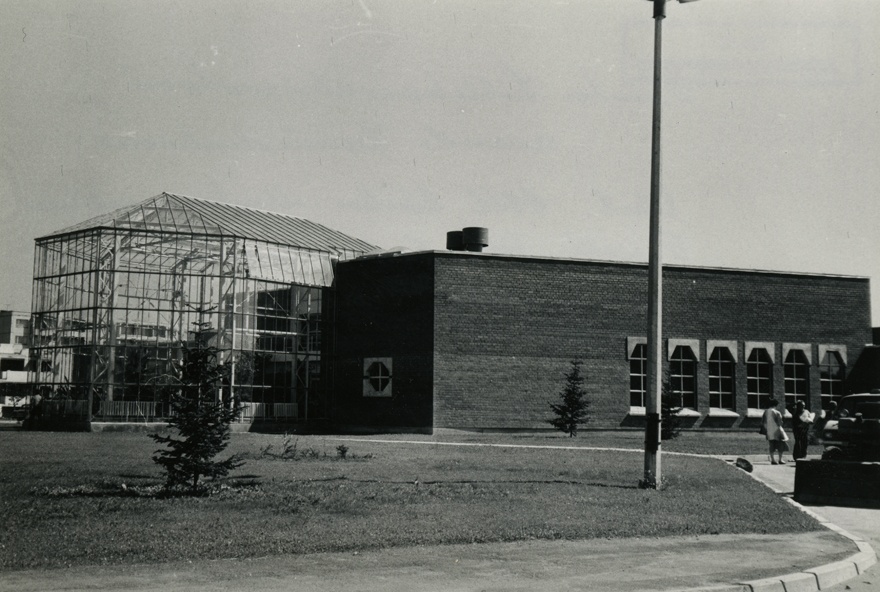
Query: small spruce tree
[574, 407]
[200, 418]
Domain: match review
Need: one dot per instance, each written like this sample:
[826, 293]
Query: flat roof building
[477, 341]
[15, 327]
[321, 326]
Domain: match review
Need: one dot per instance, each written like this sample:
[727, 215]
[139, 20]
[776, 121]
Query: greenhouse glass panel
[117, 299]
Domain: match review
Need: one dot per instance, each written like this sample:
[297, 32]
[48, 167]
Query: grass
[62, 500]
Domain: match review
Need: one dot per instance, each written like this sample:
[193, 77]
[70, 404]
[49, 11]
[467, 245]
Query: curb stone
[865, 558]
[718, 588]
[834, 573]
[766, 585]
[800, 582]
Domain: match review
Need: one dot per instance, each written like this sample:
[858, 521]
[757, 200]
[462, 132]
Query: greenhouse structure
[117, 298]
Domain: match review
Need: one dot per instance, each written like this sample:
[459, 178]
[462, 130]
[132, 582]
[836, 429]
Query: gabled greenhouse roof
[167, 212]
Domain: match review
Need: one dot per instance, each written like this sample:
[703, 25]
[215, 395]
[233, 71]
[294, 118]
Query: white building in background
[15, 327]
[15, 333]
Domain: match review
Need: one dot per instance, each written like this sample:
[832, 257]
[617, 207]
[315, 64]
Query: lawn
[82, 499]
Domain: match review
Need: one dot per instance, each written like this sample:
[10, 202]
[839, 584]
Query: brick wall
[383, 310]
[501, 331]
[506, 331]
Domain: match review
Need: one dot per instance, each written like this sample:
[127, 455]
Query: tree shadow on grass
[147, 476]
[492, 482]
[155, 490]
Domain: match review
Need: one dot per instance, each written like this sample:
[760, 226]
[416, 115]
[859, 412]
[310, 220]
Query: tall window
[797, 378]
[721, 379]
[759, 378]
[638, 375]
[832, 372]
[683, 378]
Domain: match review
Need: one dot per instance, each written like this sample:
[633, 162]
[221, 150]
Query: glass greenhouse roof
[180, 214]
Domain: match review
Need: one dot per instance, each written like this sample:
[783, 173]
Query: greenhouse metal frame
[117, 298]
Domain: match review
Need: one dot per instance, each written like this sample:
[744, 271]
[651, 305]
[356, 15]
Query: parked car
[854, 433]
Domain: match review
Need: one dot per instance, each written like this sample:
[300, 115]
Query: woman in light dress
[771, 422]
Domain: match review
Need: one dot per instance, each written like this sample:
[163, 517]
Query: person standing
[771, 426]
[801, 422]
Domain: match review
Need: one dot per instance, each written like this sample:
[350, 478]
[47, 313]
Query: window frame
[682, 359]
[796, 377]
[638, 360]
[831, 388]
[369, 390]
[759, 396]
[717, 379]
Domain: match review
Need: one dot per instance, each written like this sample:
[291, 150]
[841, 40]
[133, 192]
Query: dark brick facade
[383, 308]
[483, 341]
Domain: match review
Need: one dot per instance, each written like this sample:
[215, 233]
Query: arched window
[683, 378]
[797, 378]
[759, 378]
[832, 372]
[638, 375]
[721, 379]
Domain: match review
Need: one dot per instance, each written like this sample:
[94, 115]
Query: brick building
[469, 340]
[321, 327]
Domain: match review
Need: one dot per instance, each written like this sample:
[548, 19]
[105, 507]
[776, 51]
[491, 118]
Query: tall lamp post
[654, 376]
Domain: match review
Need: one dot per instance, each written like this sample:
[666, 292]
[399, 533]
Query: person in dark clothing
[801, 422]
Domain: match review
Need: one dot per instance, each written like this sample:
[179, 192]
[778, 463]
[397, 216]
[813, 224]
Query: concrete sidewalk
[722, 563]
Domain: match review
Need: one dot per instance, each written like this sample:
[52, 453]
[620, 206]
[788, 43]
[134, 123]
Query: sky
[397, 121]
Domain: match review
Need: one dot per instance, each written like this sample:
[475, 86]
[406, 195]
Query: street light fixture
[653, 473]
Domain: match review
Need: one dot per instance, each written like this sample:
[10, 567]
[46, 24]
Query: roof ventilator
[472, 238]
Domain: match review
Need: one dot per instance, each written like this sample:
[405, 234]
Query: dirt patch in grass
[82, 499]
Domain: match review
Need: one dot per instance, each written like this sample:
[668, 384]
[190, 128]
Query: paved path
[617, 565]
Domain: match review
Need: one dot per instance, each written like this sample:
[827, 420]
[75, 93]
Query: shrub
[573, 408]
[200, 418]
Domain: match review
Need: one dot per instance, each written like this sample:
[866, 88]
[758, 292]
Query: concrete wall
[491, 337]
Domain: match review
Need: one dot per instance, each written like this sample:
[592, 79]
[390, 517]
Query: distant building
[15, 327]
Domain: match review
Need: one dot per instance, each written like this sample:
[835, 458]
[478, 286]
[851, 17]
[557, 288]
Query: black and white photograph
[439, 295]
